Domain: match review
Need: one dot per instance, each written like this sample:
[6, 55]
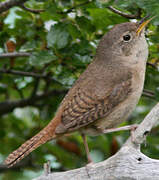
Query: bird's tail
[42, 137]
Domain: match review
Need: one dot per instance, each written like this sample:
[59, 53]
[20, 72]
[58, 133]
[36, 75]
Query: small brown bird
[104, 95]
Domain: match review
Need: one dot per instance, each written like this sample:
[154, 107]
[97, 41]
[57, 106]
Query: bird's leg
[86, 147]
[124, 128]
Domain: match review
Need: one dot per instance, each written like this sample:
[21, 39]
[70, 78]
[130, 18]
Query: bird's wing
[82, 109]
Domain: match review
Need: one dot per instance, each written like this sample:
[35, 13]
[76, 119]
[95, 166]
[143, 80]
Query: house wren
[106, 92]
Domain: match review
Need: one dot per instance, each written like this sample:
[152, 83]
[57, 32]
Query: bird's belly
[117, 116]
[120, 114]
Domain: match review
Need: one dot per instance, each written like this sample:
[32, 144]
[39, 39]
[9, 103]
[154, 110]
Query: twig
[152, 65]
[4, 6]
[8, 106]
[74, 7]
[15, 54]
[129, 16]
[18, 90]
[36, 11]
[30, 74]
[23, 73]
[148, 93]
[36, 85]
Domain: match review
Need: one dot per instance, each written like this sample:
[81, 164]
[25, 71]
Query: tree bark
[129, 163]
[6, 5]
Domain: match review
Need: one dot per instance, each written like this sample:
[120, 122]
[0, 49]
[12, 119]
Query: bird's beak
[142, 24]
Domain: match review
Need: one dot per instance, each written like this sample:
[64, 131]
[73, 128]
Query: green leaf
[151, 6]
[85, 24]
[41, 58]
[3, 88]
[83, 59]
[51, 12]
[58, 36]
[102, 18]
[157, 93]
[74, 32]
[99, 17]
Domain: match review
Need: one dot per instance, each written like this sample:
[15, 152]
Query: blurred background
[44, 46]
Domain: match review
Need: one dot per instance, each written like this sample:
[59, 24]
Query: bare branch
[36, 11]
[74, 7]
[23, 73]
[30, 74]
[144, 128]
[148, 93]
[6, 5]
[152, 65]
[35, 89]
[8, 106]
[129, 16]
[15, 54]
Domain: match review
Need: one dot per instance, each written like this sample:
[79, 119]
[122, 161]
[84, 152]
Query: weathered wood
[127, 164]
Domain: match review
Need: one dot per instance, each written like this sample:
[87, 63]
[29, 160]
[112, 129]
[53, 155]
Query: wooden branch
[23, 73]
[36, 11]
[30, 74]
[74, 7]
[6, 5]
[8, 106]
[152, 65]
[144, 128]
[148, 93]
[14, 54]
[127, 164]
[129, 16]
[36, 86]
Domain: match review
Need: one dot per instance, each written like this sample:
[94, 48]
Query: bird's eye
[126, 37]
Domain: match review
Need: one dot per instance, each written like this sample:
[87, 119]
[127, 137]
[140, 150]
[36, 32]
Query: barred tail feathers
[42, 137]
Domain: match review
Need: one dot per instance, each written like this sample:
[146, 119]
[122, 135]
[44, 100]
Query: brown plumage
[104, 95]
[83, 109]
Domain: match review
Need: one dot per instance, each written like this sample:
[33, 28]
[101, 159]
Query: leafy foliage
[61, 41]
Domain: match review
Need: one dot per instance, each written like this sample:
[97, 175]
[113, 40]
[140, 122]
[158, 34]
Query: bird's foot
[132, 130]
